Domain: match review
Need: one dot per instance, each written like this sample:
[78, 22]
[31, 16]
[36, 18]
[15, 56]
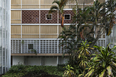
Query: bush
[34, 71]
[17, 68]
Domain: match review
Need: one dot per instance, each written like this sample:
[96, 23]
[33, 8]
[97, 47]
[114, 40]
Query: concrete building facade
[32, 30]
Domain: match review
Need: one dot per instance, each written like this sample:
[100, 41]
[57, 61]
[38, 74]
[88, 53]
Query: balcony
[47, 47]
[43, 47]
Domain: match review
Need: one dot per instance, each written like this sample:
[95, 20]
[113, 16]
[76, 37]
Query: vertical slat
[15, 46]
[51, 45]
[42, 46]
[36, 45]
[18, 46]
[45, 46]
[12, 47]
[57, 47]
[21, 45]
[24, 50]
[27, 45]
[39, 46]
[48, 46]
[54, 46]
[33, 45]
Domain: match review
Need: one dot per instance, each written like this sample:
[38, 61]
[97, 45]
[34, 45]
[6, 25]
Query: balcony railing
[41, 46]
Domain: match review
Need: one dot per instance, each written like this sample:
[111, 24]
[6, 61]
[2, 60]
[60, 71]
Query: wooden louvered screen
[15, 31]
[30, 31]
[15, 17]
[30, 4]
[48, 31]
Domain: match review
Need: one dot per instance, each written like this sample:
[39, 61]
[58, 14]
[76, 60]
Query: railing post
[57, 46]
[39, 46]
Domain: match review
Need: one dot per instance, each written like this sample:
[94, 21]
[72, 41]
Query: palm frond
[63, 3]
[54, 8]
[57, 2]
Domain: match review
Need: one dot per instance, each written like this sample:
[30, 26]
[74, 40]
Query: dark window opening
[30, 46]
[48, 17]
[67, 17]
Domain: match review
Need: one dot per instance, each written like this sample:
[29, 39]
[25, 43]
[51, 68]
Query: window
[48, 16]
[67, 17]
[30, 46]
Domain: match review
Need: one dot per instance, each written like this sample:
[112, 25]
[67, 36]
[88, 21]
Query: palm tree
[60, 6]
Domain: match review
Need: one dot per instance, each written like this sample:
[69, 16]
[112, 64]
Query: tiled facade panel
[30, 16]
[71, 14]
[43, 17]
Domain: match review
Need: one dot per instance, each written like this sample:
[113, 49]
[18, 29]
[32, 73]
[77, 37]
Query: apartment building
[33, 31]
[5, 39]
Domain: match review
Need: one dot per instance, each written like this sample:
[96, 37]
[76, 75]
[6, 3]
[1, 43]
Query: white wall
[50, 61]
[17, 60]
[63, 60]
[45, 61]
[33, 61]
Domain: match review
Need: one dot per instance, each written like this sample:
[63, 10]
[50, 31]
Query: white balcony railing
[46, 46]
[39, 45]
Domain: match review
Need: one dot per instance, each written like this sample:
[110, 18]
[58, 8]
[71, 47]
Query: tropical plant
[84, 54]
[103, 63]
[91, 21]
[95, 20]
[69, 72]
[60, 8]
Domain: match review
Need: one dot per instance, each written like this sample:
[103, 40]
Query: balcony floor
[31, 54]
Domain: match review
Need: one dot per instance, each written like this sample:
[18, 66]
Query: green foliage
[22, 70]
[103, 63]
[69, 72]
[17, 68]
[84, 54]
[60, 6]
[91, 20]
[87, 22]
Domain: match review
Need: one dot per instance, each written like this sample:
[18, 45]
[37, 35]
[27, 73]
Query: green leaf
[53, 9]
[104, 64]
[102, 73]
[57, 2]
[114, 64]
[109, 69]
[89, 73]
[96, 59]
